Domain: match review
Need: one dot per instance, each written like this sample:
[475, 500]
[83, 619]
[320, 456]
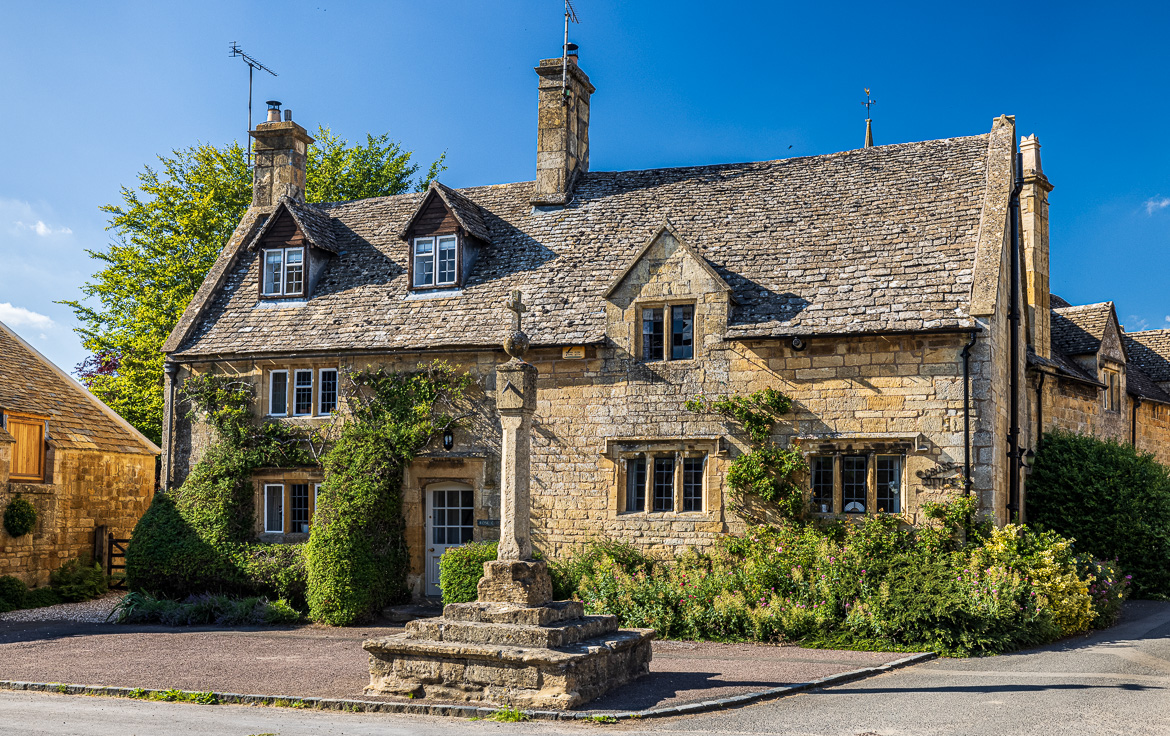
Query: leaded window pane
[652, 334]
[692, 499]
[682, 325]
[300, 507]
[278, 397]
[636, 484]
[446, 261]
[664, 484]
[303, 393]
[273, 267]
[293, 271]
[888, 476]
[274, 508]
[328, 399]
[822, 484]
[424, 262]
[853, 483]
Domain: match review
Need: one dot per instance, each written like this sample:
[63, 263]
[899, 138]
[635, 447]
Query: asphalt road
[1111, 682]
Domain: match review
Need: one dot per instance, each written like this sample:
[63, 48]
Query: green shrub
[20, 517]
[41, 597]
[12, 593]
[1113, 500]
[868, 585]
[568, 572]
[1108, 589]
[203, 610]
[357, 557]
[79, 580]
[461, 568]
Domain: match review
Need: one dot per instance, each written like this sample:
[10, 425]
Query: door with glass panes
[450, 523]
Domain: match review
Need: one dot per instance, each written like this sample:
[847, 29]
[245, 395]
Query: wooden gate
[116, 561]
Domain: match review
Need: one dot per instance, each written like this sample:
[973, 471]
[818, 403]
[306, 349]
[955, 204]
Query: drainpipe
[1137, 401]
[967, 414]
[170, 369]
[1013, 505]
[1040, 409]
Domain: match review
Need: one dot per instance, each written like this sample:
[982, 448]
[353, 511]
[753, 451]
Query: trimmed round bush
[1113, 500]
[20, 517]
[461, 569]
[12, 593]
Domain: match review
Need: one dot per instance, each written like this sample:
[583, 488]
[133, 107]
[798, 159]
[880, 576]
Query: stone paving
[315, 661]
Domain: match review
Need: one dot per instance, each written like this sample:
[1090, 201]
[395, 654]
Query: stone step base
[512, 613]
[559, 634]
[524, 677]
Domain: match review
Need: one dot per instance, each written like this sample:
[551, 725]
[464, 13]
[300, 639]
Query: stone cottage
[81, 465]
[875, 287]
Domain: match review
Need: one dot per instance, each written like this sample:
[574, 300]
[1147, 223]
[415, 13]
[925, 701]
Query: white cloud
[40, 228]
[21, 317]
[1157, 203]
[1136, 323]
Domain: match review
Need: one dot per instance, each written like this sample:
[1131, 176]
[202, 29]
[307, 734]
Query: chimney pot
[287, 115]
[273, 111]
[571, 50]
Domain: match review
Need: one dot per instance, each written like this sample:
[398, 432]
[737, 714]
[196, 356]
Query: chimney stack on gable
[1034, 235]
[562, 135]
[280, 148]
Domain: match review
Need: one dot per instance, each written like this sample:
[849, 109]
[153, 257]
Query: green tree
[168, 232]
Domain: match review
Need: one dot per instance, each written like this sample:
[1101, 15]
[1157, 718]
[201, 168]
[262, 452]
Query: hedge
[461, 568]
[1114, 500]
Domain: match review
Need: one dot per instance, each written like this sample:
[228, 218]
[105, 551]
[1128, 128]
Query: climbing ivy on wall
[357, 557]
[768, 470]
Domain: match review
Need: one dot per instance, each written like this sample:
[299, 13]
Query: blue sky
[93, 91]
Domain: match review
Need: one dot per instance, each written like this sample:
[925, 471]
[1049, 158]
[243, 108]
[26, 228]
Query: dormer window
[436, 261]
[284, 272]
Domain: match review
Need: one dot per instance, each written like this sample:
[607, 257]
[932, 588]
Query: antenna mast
[253, 64]
[570, 14]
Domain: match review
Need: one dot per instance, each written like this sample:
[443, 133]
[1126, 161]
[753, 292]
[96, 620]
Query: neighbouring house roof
[1150, 351]
[29, 382]
[871, 240]
[1063, 366]
[1137, 383]
[1079, 330]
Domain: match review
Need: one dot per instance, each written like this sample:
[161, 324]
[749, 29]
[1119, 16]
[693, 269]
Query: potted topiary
[20, 517]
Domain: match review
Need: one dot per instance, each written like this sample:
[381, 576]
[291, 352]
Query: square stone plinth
[506, 654]
[515, 581]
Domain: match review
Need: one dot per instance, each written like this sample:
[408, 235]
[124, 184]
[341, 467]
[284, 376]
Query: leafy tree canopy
[167, 234]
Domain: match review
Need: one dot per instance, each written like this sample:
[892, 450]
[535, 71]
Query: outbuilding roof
[873, 240]
[1079, 330]
[30, 383]
[1150, 351]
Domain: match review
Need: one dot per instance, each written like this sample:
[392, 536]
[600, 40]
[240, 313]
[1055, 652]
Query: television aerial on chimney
[253, 64]
[570, 15]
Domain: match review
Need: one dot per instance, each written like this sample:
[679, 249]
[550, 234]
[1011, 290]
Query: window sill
[433, 292]
[281, 302]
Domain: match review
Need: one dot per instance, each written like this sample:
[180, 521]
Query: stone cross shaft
[516, 400]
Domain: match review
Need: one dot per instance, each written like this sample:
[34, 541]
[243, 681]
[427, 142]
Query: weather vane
[868, 102]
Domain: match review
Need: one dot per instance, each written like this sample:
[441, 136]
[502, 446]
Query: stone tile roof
[1137, 383]
[1056, 302]
[316, 225]
[879, 239]
[77, 418]
[1063, 365]
[1150, 351]
[466, 212]
[1079, 330]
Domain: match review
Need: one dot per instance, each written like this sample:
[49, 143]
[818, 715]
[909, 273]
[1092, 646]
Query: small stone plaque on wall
[488, 522]
[573, 353]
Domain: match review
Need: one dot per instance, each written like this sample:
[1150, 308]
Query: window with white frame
[668, 332]
[327, 391]
[303, 393]
[435, 261]
[278, 393]
[284, 272]
[273, 507]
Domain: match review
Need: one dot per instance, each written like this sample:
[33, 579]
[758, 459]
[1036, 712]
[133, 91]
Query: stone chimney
[562, 130]
[1034, 239]
[279, 152]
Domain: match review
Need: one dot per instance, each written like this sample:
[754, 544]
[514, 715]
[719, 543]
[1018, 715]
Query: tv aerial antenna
[253, 64]
[570, 15]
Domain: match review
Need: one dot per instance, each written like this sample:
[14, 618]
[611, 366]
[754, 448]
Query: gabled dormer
[668, 303]
[294, 244]
[444, 237]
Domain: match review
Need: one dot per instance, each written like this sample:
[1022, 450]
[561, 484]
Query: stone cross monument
[515, 645]
[514, 577]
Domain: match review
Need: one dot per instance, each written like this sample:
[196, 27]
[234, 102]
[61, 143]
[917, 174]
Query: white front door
[450, 523]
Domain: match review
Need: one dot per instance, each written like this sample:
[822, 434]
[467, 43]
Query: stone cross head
[515, 304]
